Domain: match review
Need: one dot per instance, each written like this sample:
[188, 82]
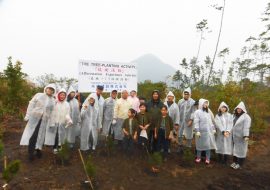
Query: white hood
[201, 102]
[242, 106]
[170, 94]
[60, 91]
[223, 104]
[50, 86]
[187, 90]
[71, 89]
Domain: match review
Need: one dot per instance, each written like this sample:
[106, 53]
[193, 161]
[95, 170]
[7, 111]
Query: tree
[219, 34]
[15, 81]
[201, 28]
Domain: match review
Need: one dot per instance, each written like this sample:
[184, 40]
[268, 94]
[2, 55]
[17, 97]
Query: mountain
[150, 67]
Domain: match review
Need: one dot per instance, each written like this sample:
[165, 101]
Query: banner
[113, 76]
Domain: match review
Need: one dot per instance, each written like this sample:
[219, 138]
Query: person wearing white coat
[186, 110]
[224, 122]
[74, 130]
[205, 131]
[99, 103]
[38, 114]
[56, 131]
[90, 127]
[108, 110]
[240, 133]
[121, 108]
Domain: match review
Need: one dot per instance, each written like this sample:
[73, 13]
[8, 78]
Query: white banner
[113, 76]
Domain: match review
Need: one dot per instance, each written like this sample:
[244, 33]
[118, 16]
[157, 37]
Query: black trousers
[33, 139]
[56, 139]
[239, 161]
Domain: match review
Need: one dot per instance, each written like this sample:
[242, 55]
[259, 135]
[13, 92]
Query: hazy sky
[50, 36]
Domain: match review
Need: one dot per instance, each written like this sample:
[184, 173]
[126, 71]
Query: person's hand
[155, 136]
[214, 131]
[26, 118]
[246, 139]
[198, 134]
[98, 129]
[135, 137]
[114, 121]
[85, 107]
[190, 123]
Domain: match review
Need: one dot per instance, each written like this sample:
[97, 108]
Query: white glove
[246, 139]
[198, 134]
[114, 121]
[214, 131]
[26, 118]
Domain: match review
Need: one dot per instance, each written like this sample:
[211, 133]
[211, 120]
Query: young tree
[219, 34]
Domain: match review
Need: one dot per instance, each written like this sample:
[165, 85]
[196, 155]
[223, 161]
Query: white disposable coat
[173, 109]
[40, 107]
[223, 124]
[239, 131]
[59, 122]
[203, 124]
[75, 115]
[186, 110]
[89, 117]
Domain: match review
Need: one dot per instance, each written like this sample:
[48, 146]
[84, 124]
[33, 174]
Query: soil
[125, 172]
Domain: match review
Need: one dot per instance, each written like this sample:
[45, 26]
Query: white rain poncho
[239, 131]
[173, 109]
[74, 130]
[40, 107]
[89, 127]
[186, 110]
[99, 102]
[203, 124]
[223, 124]
[108, 110]
[59, 122]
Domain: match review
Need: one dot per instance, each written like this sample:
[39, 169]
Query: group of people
[53, 119]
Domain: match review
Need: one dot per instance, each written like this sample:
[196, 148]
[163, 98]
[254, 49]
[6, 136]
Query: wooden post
[84, 167]
[5, 167]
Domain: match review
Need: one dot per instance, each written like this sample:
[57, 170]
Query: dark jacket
[143, 119]
[153, 108]
[168, 125]
[135, 126]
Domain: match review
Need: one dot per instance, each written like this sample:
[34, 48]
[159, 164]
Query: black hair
[219, 111]
[133, 111]
[164, 106]
[114, 91]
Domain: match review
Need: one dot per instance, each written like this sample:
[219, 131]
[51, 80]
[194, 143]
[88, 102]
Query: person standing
[186, 109]
[121, 108]
[56, 131]
[224, 122]
[99, 103]
[205, 131]
[74, 130]
[38, 114]
[90, 127]
[240, 134]
[154, 109]
[108, 110]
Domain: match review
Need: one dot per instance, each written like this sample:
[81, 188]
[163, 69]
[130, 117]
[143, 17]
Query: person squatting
[134, 123]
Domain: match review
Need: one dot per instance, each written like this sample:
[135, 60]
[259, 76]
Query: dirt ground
[119, 171]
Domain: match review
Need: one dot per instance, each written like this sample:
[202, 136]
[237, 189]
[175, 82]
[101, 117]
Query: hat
[100, 87]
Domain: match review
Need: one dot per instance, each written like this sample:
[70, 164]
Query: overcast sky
[50, 36]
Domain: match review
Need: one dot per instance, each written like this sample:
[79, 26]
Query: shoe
[38, 153]
[207, 161]
[93, 148]
[198, 160]
[237, 167]
[55, 151]
[233, 165]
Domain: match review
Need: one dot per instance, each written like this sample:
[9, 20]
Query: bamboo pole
[5, 167]
[88, 178]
